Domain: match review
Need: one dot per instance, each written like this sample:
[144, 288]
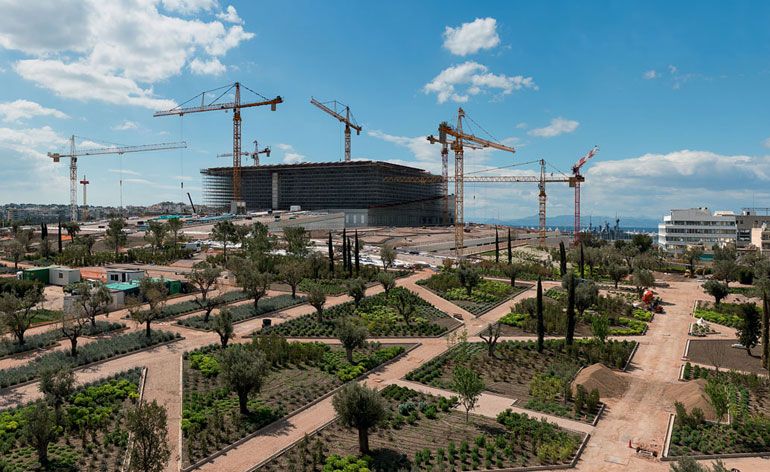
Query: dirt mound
[598, 376]
[691, 394]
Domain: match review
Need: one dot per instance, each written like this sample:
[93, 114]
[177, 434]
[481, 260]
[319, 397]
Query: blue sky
[674, 93]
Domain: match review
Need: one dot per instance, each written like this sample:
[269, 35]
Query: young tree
[643, 278]
[404, 305]
[469, 277]
[331, 254]
[490, 335]
[352, 335]
[692, 254]
[16, 312]
[317, 299]
[749, 331]
[297, 240]
[92, 300]
[362, 408]
[148, 424]
[251, 280]
[115, 236]
[225, 233]
[600, 326]
[223, 326]
[562, 259]
[571, 283]
[243, 370]
[73, 324]
[586, 295]
[718, 398]
[41, 430]
[57, 382]
[155, 293]
[539, 313]
[642, 242]
[513, 270]
[257, 242]
[510, 252]
[59, 238]
[497, 246]
[156, 234]
[203, 277]
[17, 251]
[617, 272]
[292, 272]
[716, 289]
[357, 253]
[388, 256]
[356, 290]
[388, 282]
[467, 383]
[174, 226]
[725, 270]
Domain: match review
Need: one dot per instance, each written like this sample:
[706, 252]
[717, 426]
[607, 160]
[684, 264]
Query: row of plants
[96, 351]
[398, 312]
[190, 306]
[466, 289]
[726, 314]
[245, 312]
[628, 327]
[49, 338]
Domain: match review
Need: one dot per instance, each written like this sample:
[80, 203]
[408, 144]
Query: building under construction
[357, 188]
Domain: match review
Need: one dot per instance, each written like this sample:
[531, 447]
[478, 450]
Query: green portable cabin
[39, 274]
[174, 286]
[128, 289]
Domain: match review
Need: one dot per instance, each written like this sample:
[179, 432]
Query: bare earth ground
[640, 415]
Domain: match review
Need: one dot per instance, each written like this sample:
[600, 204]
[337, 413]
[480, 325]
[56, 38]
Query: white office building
[696, 226]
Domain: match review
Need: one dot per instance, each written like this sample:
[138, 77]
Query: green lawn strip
[96, 351]
[377, 312]
[93, 437]
[519, 371]
[300, 374]
[246, 311]
[9, 346]
[424, 433]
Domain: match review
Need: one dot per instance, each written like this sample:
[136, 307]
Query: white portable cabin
[124, 275]
[63, 276]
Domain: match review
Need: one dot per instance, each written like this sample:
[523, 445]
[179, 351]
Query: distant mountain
[568, 220]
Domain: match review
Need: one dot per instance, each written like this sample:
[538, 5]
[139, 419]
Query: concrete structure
[124, 275]
[760, 238]
[696, 226]
[356, 188]
[749, 219]
[63, 276]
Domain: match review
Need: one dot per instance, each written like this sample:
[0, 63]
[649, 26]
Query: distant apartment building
[747, 221]
[696, 226]
[760, 238]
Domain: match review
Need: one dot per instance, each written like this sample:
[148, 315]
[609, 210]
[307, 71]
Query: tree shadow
[389, 460]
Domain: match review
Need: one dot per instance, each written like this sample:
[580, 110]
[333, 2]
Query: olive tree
[586, 295]
[490, 335]
[297, 240]
[92, 300]
[73, 324]
[292, 272]
[115, 236]
[469, 277]
[41, 430]
[243, 370]
[155, 293]
[225, 233]
[388, 282]
[388, 256]
[404, 304]
[204, 277]
[317, 299]
[716, 289]
[251, 280]
[352, 335]
[57, 382]
[356, 289]
[148, 424]
[16, 312]
[223, 326]
[362, 408]
[750, 328]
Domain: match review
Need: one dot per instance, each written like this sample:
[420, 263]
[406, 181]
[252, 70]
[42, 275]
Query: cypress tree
[344, 249]
[331, 255]
[510, 253]
[540, 321]
[570, 309]
[562, 259]
[497, 247]
[357, 248]
[582, 263]
[350, 258]
[60, 236]
[765, 331]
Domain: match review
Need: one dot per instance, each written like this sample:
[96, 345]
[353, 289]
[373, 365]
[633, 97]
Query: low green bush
[247, 311]
[9, 347]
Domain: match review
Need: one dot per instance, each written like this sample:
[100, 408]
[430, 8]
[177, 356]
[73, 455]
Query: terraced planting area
[9, 347]
[745, 396]
[93, 435]
[540, 381]
[298, 374]
[424, 433]
[725, 314]
[98, 350]
[484, 296]
[382, 314]
[246, 312]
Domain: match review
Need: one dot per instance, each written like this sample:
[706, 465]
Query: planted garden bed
[377, 312]
[247, 311]
[726, 314]
[424, 433]
[541, 381]
[9, 347]
[190, 306]
[300, 373]
[483, 297]
[96, 351]
[748, 403]
[94, 436]
[720, 352]
[337, 286]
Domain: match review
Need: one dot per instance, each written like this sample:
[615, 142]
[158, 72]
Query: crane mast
[347, 119]
[85, 183]
[577, 180]
[254, 155]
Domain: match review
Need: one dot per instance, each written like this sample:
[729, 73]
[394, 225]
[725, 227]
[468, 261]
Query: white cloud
[21, 109]
[469, 38]
[137, 181]
[124, 171]
[25, 160]
[230, 16]
[290, 155]
[126, 125]
[212, 67]
[475, 78]
[113, 52]
[557, 127]
[766, 143]
[651, 74]
[673, 69]
[521, 125]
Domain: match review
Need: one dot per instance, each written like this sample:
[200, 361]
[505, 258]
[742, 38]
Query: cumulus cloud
[290, 155]
[556, 127]
[230, 16]
[651, 74]
[22, 109]
[30, 163]
[126, 125]
[470, 38]
[766, 143]
[114, 52]
[473, 78]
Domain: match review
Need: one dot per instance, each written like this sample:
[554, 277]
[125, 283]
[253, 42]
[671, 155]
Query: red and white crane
[577, 178]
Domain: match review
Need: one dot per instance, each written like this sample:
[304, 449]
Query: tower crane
[457, 145]
[577, 179]
[342, 113]
[85, 183]
[235, 105]
[74, 154]
[254, 155]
